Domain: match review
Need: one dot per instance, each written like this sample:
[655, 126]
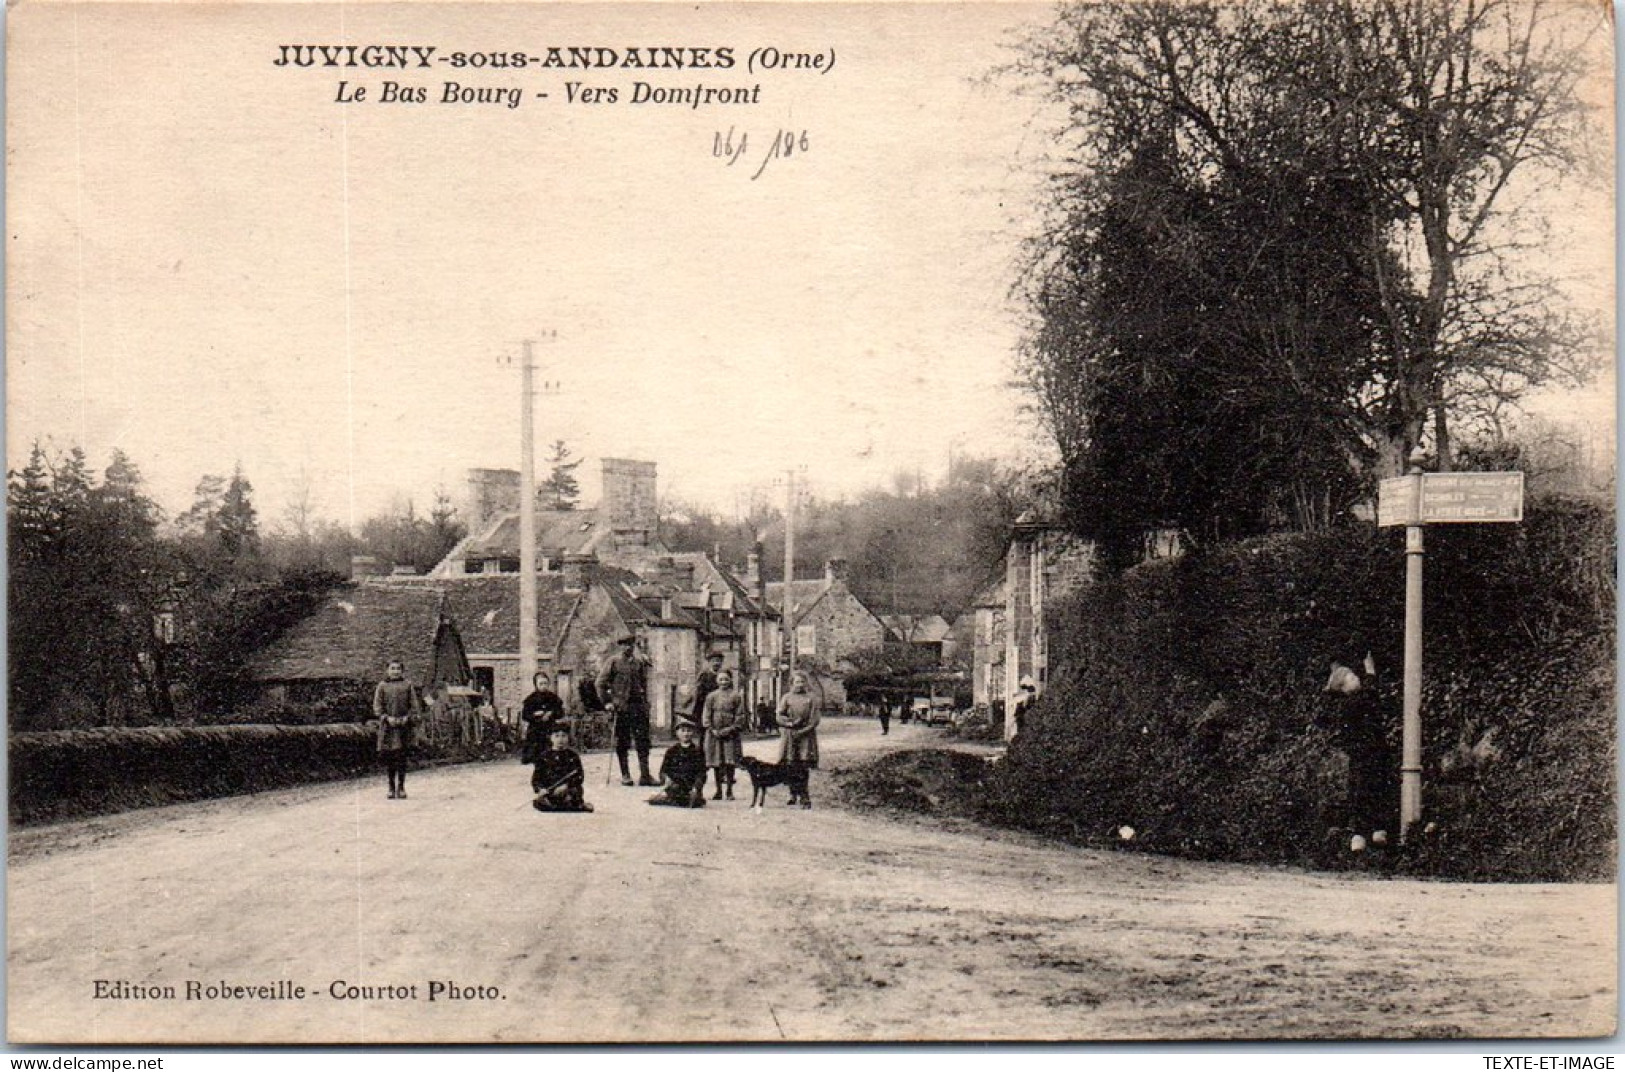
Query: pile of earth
[931, 781]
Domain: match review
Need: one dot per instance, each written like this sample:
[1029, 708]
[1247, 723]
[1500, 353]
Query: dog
[763, 776]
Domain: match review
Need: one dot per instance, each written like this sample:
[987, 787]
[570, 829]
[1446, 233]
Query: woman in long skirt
[798, 730]
[725, 720]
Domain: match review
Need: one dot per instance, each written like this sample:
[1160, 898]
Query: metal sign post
[1415, 500]
[1410, 757]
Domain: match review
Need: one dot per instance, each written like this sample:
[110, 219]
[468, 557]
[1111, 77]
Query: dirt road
[645, 924]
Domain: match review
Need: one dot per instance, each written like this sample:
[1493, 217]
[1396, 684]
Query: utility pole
[527, 520]
[1410, 759]
[527, 512]
[789, 568]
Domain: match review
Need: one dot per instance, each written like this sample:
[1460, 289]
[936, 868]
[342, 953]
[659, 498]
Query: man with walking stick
[624, 687]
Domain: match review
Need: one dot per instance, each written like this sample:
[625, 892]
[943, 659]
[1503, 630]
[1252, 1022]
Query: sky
[215, 262]
[221, 264]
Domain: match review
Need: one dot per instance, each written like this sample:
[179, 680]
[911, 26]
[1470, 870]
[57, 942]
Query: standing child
[542, 710]
[725, 721]
[798, 731]
[398, 708]
[683, 771]
[559, 777]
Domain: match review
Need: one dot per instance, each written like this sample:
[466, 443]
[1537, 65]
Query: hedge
[1185, 701]
[72, 773]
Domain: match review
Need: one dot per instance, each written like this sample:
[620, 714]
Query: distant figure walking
[798, 731]
[725, 721]
[623, 685]
[399, 709]
[885, 717]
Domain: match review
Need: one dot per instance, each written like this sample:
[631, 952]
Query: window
[806, 639]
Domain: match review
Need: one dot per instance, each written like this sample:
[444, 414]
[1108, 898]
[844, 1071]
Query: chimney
[492, 493]
[628, 502]
[753, 567]
[834, 570]
[574, 569]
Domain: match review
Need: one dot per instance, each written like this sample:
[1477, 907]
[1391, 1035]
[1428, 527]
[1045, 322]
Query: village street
[646, 924]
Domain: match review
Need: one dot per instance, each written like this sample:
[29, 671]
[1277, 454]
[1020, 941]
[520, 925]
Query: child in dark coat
[683, 772]
[559, 777]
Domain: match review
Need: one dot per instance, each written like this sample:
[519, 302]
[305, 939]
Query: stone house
[1043, 563]
[825, 622]
[987, 645]
[582, 611]
[711, 608]
[621, 529]
[331, 660]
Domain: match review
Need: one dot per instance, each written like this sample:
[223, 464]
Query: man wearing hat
[623, 685]
[683, 771]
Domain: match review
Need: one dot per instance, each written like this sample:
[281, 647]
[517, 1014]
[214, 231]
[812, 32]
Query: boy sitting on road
[559, 777]
[683, 772]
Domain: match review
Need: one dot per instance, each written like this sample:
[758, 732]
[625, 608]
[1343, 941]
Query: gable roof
[707, 568]
[355, 633]
[804, 596]
[558, 533]
[486, 609]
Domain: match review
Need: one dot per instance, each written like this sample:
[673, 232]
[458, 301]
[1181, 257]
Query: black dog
[763, 776]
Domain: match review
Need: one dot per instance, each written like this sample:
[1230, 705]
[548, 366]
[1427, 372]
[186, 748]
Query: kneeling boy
[683, 771]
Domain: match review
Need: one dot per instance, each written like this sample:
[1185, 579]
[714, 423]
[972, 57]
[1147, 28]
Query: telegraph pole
[527, 513]
[527, 521]
[789, 567]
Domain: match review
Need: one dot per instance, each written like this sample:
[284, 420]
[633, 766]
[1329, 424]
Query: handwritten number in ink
[785, 144]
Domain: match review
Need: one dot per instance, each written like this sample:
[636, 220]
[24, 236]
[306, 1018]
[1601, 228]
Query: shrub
[89, 772]
[1185, 699]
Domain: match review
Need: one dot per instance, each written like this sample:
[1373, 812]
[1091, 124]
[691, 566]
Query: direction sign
[1463, 497]
[1396, 502]
[1450, 498]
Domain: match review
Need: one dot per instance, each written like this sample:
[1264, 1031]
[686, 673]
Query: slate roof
[486, 610]
[355, 633]
[558, 533]
[707, 568]
[804, 595]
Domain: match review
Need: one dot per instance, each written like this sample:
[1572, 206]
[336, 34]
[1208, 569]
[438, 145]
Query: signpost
[1415, 500]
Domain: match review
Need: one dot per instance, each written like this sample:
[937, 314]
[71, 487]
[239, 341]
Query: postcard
[642, 522]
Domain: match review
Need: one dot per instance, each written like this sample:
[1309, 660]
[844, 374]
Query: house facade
[332, 659]
[1043, 563]
[824, 622]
